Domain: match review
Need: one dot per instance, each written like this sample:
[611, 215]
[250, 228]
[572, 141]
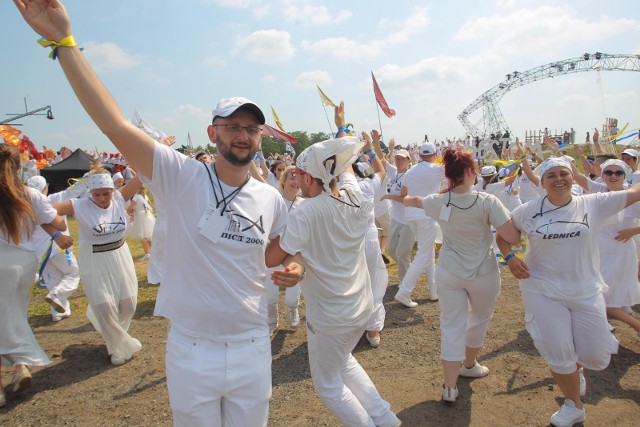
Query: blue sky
[173, 60]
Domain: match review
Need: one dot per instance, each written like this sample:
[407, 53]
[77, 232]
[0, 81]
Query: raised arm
[579, 177]
[132, 187]
[49, 18]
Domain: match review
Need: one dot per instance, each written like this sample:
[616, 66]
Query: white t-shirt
[395, 188]
[528, 191]
[100, 226]
[43, 212]
[466, 234]
[369, 188]
[329, 234]
[214, 290]
[381, 207]
[562, 251]
[421, 180]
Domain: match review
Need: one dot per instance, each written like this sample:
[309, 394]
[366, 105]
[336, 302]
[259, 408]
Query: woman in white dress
[289, 190]
[618, 257]
[561, 285]
[21, 209]
[141, 227]
[106, 268]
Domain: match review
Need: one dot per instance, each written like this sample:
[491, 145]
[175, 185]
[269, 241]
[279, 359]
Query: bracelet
[68, 41]
[509, 256]
[368, 151]
[373, 156]
[56, 234]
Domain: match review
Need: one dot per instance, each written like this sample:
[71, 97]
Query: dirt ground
[81, 387]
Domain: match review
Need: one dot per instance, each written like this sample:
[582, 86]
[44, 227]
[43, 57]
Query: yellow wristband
[68, 41]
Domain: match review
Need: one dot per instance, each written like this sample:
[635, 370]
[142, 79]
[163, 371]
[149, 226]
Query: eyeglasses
[234, 128]
[611, 173]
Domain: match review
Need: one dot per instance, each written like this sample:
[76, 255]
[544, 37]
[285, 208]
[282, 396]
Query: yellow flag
[277, 120]
[324, 98]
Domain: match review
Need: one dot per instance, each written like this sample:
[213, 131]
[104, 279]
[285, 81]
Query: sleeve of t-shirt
[44, 212]
[281, 216]
[633, 211]
[172, 173]
[498, 214]
[596, 187]
[295, 236]
[602, 205]
[348, 182]
[518, 216]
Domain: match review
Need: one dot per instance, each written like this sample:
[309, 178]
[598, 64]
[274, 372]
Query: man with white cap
[330, 225]
[218, 357]
[421, 180]
[630, 157]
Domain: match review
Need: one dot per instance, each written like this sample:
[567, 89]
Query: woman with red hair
[467, 272]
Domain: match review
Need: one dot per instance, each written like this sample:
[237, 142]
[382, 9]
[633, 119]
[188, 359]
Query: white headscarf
[552, 162]
[100, 180]
[615, 162]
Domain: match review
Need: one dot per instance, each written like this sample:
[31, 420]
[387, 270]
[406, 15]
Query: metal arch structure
[494, 122]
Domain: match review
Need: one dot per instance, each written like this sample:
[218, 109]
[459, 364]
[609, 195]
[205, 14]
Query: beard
[226, 150]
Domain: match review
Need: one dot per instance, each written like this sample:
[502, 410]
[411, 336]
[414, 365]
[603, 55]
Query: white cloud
[214, 61]
[309, 14]
[109, 56]
[545, 30]
[336, 46]
[574, 100]
[259, 7]
[313, 78]
[622, 96]
[265, 46]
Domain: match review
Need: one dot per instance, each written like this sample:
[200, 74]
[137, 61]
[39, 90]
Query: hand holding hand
[518, 268]
[63, 241]
[290, 276]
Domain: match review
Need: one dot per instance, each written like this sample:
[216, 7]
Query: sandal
[21, 380]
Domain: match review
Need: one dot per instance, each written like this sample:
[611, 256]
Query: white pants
[379, 280]
[425, 232]
[218, 384]
[291, 297]
[466, 308]
[61, 278]
[570, 332]
[400, 242]
[342, 384]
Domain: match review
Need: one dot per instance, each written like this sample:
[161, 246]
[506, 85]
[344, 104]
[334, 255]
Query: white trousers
[291, 297]
[62, 278]
[342, 384]
[400, 242]
[216, 384]
[379, 281]
[570, 332]
[466, 308]
[425, 232]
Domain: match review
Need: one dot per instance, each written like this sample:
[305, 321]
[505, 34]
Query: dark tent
[74, 166]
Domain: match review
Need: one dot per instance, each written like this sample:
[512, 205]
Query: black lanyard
[352, 203]
[225, 199]
[464, 209]
[540, 214]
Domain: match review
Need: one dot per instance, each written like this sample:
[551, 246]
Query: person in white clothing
[401, 237]
[331, 225]
[370, 186]
[467, 272]
[60, 272]
[143, 222]
[421, 180]
[21, 210]
[218, 358]
[560, 283]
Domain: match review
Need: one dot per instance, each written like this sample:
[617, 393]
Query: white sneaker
[583, 382]
[476, 371]
[59, 316]
[449, 394]
[374, 341]
[53, 300]
[627, 309]
[294, 318]
[406, 300]
[568, 415]
[118, 361]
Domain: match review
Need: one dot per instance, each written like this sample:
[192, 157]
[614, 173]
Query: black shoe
[385, 259]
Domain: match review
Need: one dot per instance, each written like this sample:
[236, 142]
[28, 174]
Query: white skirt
[18, 345]
[142, 225]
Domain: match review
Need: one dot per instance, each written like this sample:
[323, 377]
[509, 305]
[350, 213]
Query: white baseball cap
[402, 153]
[488, 170]
[630, 151]
[226, 108]
[427, 149]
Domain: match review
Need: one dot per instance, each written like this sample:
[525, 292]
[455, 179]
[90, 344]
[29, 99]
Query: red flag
[380, 98]
[278, 134]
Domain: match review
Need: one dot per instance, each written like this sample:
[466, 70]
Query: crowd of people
[244, 227]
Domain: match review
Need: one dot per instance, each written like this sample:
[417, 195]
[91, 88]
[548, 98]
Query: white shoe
[611, 327]
[118, 361]
[434, 294]
[59, 316]
[294, 318]
[568, 415]
[449, 394]
[476, 371]
[627, 309]
[583, 382]
[53, 300]
[406, 300]
[145, 257]
[374, 341]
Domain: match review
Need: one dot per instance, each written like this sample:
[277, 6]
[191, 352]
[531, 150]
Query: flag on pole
[289, 148]
[141, 123]
[277, 134]
[380, 98]
[324, 98]
[277, 119]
